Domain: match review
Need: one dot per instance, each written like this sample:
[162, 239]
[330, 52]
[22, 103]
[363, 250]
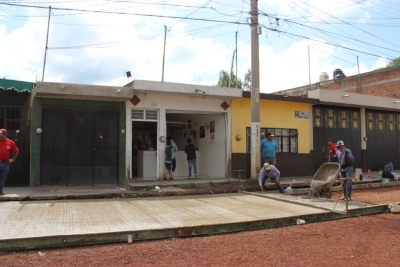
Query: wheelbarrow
[323, 179]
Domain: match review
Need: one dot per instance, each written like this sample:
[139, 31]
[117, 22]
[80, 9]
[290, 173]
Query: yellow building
[289, 118]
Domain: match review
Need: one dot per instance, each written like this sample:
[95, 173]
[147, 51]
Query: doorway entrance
[79, 147]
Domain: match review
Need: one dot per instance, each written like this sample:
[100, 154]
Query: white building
[159, 110]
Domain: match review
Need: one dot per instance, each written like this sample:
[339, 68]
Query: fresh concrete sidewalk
[133, 186]
[57, 223]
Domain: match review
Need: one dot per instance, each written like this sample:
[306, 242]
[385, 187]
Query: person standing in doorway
[174, 150]
[190, 151]
[168, 161]
[345, 159]
[331, 151]
[268, 148]
[270, 171]
[7, 147]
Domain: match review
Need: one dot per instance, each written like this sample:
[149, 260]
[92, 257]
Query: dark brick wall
[288, 164]
[368, 83]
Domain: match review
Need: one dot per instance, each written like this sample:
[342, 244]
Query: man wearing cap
[345, 159]
[268, 149]
[270, 171]
[6, 147]
[331, 151]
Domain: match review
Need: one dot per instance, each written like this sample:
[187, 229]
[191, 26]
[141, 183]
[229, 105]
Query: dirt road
[372, 240]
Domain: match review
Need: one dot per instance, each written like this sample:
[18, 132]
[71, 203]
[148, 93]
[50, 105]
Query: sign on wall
[301, 115]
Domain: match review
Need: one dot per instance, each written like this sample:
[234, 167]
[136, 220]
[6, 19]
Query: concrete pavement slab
[55, 217]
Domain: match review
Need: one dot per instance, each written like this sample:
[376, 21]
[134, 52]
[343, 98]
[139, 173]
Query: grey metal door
[338, 123]
[79, 148]
[383, 135]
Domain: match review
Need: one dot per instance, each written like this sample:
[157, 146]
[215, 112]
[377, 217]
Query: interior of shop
[206, 131]
[144, 138]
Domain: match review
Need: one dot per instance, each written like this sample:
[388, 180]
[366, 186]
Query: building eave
[83, 91]
[190, 90]
[342, 98]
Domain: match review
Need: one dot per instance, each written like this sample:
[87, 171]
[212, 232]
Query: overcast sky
[97, 42]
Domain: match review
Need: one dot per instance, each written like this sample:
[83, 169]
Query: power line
[124, 13]
[324, 42]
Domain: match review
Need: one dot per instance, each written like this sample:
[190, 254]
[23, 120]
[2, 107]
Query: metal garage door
[79, 148]
[338, 123]
[383, 133]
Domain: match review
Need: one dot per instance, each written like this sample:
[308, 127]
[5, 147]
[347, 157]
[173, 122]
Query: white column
[162, 131]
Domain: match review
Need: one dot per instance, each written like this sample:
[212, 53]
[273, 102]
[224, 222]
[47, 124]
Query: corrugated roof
[18, 86]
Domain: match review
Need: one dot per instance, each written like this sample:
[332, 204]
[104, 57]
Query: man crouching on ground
[270, 171]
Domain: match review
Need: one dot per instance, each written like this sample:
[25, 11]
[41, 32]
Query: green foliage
[188, 185]
[393, 63]
[226, 80]
[247, 81]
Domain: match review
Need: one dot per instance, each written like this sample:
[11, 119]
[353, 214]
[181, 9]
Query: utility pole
[255, 92]
[47, 41]
[309, 72]
[359, 90]
[236, 62]
[163, 60]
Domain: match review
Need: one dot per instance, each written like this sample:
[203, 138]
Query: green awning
[18, 86]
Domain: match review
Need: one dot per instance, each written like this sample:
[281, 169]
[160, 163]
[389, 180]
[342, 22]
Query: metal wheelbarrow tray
[323, 179]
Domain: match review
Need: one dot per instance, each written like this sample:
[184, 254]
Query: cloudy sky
[97, 42]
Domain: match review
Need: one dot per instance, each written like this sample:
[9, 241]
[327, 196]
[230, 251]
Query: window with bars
[144, 114]
[286, 139]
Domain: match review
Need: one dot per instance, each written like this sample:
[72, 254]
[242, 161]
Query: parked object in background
[388, 167]
[387, 174]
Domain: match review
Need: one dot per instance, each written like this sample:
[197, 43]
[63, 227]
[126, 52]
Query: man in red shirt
[331, 152]
[6, 147]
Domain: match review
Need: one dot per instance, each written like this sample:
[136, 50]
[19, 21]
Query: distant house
[289, 118]
[362, 110]
[87, 134]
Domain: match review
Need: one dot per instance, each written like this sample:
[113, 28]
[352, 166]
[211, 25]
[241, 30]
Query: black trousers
[173, 164]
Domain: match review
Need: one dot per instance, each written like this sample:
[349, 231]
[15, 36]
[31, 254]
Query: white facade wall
[214, 154]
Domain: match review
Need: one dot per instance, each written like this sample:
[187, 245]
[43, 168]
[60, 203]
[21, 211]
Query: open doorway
[208, 133]
[144, 147]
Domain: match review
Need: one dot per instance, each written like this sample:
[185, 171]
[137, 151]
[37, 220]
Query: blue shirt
[273, 173]
[268, 148]
[345, 162]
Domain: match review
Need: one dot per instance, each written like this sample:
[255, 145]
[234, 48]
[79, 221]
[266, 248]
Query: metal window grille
[147, 115]
[151, 115]
[286, 139]
[137, 114]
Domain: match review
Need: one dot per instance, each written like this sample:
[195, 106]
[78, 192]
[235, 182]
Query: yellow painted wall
[273, 114]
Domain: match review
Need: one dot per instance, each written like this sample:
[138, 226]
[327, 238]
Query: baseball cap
[270, 134]
[266, 166]
[329, 140]
[340, 143]
[3, 131]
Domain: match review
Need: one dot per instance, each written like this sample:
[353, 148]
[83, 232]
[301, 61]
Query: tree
[226, 80]
[247, 81]
[393, 63]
